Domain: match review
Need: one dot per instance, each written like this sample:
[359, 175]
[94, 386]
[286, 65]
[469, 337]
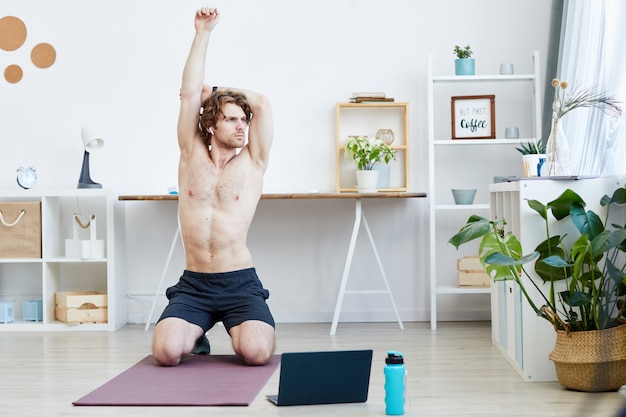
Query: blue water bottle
[395, 374]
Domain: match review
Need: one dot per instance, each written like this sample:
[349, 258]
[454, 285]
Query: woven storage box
[20, 230]
[6, 312]
[81, 307]
[32, 310]
[591, 361]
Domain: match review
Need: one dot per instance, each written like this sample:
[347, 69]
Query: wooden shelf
[364, 119]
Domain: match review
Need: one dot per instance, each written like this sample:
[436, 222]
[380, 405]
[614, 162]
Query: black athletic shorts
[230, 297]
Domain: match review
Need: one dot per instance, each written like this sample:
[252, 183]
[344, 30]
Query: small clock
[26, 177]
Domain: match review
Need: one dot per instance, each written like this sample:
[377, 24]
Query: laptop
[329, 377]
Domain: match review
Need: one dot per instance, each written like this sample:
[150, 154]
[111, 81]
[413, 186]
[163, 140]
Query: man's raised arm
[261, 129]
[193, 76]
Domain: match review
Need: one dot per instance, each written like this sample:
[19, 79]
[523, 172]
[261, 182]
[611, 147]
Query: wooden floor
[453, 371]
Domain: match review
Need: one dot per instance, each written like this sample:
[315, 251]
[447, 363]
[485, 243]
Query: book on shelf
[371, 100]
[359, 94]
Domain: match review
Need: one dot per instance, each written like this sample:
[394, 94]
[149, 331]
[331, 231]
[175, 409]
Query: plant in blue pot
[464, 64]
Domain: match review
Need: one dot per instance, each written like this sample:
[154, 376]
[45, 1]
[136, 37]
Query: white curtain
[593, 54]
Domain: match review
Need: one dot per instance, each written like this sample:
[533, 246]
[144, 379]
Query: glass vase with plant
[565, 100]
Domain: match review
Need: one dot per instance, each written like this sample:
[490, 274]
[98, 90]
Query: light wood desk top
[289, 196]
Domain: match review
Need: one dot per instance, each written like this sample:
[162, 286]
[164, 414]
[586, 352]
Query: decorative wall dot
[43, 55]
[12, 33]
[13, 73]
[12, 37]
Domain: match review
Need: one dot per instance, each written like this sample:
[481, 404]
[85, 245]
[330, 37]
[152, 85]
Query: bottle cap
[394, 358]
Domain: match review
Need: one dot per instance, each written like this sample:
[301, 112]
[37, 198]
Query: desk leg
[346, 269]
[360, 217]
[158, 290]
[382, 271]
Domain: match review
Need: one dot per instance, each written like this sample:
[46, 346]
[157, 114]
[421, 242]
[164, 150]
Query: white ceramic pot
[367, 181]
[530, 164]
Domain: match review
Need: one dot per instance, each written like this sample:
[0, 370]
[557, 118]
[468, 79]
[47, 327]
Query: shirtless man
[219, 190]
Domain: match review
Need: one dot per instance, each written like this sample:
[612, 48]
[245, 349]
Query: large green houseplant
[584, 284]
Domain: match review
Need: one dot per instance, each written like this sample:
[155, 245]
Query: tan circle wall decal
[12, 37]
[13, 73]
[12, 33]
[43, 55]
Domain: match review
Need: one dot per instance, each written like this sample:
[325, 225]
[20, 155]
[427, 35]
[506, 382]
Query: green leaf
[619, 197]
[556, 262]
[475, 227]
[548, 272]
[498, 258]
[587, 222]
[614, 273]
[576, 298]
[561, 205]
[539, 208]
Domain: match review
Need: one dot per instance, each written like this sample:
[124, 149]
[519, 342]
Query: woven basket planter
[591, 361]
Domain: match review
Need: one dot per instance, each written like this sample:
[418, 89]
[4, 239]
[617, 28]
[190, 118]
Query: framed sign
[473, 117]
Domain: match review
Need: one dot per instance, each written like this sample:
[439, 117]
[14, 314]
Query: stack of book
[364, 97]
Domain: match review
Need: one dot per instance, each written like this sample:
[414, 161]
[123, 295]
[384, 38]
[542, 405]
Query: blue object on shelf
[32, 310]
[6, 312]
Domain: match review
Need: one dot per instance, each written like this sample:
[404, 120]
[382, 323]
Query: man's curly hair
[211, 109]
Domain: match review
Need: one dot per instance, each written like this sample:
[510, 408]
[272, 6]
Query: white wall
[118, 69]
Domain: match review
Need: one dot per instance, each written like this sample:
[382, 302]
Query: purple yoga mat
[199, 380]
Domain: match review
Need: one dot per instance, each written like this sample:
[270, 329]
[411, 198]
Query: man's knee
[253, 341]
[164, 356]
[257, 354]
[173, 340]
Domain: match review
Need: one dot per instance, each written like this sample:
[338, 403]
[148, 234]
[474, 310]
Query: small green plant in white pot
[464, 63]
[532, 154]
[365, 152]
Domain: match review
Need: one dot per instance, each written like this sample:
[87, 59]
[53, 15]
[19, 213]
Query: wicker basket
[591, 361]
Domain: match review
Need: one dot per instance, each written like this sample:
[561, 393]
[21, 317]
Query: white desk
[358, 219]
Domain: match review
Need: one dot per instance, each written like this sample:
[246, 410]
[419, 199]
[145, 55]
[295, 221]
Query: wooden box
[20, 229]
[472, 273]
[469, 263]
[474, 279]
[81, 307]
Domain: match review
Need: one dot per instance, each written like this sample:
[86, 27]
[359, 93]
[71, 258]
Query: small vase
[383, 174]
[558, 161]
[367, 181]
[386, 135]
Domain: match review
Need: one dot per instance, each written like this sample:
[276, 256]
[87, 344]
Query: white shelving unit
[25, 279]
[472, 163]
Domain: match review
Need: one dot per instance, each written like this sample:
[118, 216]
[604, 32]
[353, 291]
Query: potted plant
[464, 63]
[583, 291]
[366, 152]
[532, 154]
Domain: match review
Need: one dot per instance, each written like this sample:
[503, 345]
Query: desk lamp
[91, 143]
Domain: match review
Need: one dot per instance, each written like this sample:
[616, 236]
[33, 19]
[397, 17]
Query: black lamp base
[85, 180]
